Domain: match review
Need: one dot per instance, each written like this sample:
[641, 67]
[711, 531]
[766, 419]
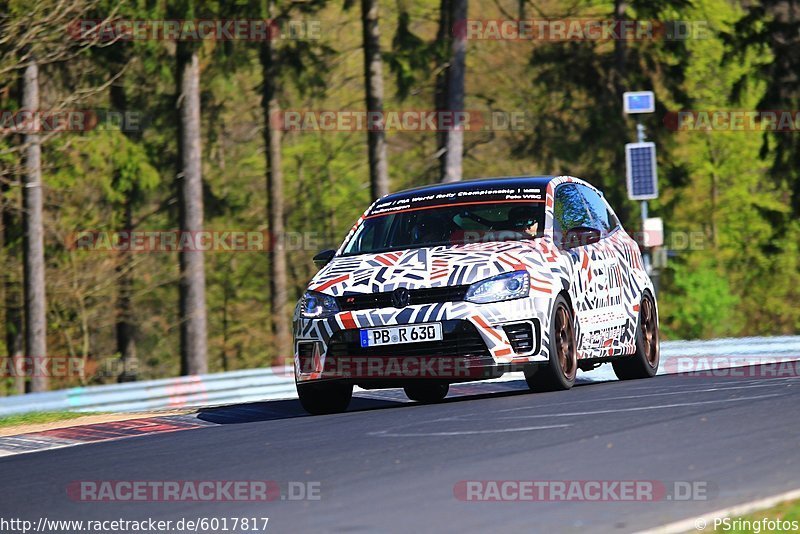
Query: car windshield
[455, 224]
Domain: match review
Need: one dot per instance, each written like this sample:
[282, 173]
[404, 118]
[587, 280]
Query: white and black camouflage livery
[601, 281]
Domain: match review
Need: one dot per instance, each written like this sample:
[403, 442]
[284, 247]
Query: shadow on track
[279, 409]
[362, 400]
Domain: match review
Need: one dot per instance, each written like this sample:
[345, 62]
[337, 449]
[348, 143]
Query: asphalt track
[390, 466]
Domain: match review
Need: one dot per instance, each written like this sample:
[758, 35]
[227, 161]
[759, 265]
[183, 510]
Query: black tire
[644, 362]
[560, 372]
[427, 393]
[321, 399]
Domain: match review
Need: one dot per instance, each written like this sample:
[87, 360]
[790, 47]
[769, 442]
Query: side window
[569, 210]
[612, 220]
[597, 209]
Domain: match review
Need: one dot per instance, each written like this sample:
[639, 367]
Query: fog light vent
[306, 350]
[521, 336]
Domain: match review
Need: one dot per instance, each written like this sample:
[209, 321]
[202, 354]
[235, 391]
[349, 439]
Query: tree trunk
[444, 37]
[620, 50]
[126, 324]
[618, 78]
[33, 250]
[194, 345]
[275, 214]
[454, 151]
[373, 79]
[9, 241]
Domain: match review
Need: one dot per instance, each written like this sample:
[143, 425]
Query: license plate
[393, 335]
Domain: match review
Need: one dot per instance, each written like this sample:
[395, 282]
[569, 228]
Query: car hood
[427, 267]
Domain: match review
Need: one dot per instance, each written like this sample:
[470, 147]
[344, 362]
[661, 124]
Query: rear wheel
[559, 373]
[427, 393]
[320, 399]
[644, 363]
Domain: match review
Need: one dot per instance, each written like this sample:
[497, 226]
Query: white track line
[641, 408]
[387, 434]
[701, 522]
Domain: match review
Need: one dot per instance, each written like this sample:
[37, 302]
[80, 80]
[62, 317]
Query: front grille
[431, 295]
[521, 336]
[461, 339]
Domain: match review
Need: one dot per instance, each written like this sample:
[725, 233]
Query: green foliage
[729, 197]
[409, 56]
[700, 304]
[772, 28]
[734, 190]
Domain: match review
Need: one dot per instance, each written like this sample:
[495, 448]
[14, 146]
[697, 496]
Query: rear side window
[612, 220]
[569, 210]
[597, 209]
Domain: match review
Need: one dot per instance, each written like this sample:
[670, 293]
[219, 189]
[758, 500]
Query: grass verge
[784, 517]
[33, 418]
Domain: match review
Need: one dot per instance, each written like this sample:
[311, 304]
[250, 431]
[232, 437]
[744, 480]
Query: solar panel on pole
[640, 170]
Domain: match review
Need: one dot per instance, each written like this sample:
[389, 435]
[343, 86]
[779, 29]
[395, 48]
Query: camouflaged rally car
[469, 280]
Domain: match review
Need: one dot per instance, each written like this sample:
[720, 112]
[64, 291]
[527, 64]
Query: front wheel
[320, 399]
[560, 372]
[644, 362]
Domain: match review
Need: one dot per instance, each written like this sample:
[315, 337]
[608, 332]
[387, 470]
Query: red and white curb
[59, 438]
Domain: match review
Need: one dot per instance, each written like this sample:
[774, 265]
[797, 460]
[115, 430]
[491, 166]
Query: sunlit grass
[788, 513]
[33, 418]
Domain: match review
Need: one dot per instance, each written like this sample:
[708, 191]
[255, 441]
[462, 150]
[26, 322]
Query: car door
[570, 211]
[626, 257]
[605, 319]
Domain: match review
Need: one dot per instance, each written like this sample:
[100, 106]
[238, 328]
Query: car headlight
[506, 286]
[318, 305]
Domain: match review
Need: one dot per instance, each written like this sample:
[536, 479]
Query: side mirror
[581, 236]
[323, 258]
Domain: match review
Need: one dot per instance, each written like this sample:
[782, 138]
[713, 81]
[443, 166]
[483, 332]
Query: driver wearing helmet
[522, 219]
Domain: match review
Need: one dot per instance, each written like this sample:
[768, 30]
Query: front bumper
[480, 341]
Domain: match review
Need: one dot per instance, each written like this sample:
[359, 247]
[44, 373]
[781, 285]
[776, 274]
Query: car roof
[472, 184]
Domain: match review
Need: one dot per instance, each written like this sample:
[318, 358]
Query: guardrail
[198, 390]
[253, 385]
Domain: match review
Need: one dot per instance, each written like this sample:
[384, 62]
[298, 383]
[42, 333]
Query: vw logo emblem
[401, 297]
